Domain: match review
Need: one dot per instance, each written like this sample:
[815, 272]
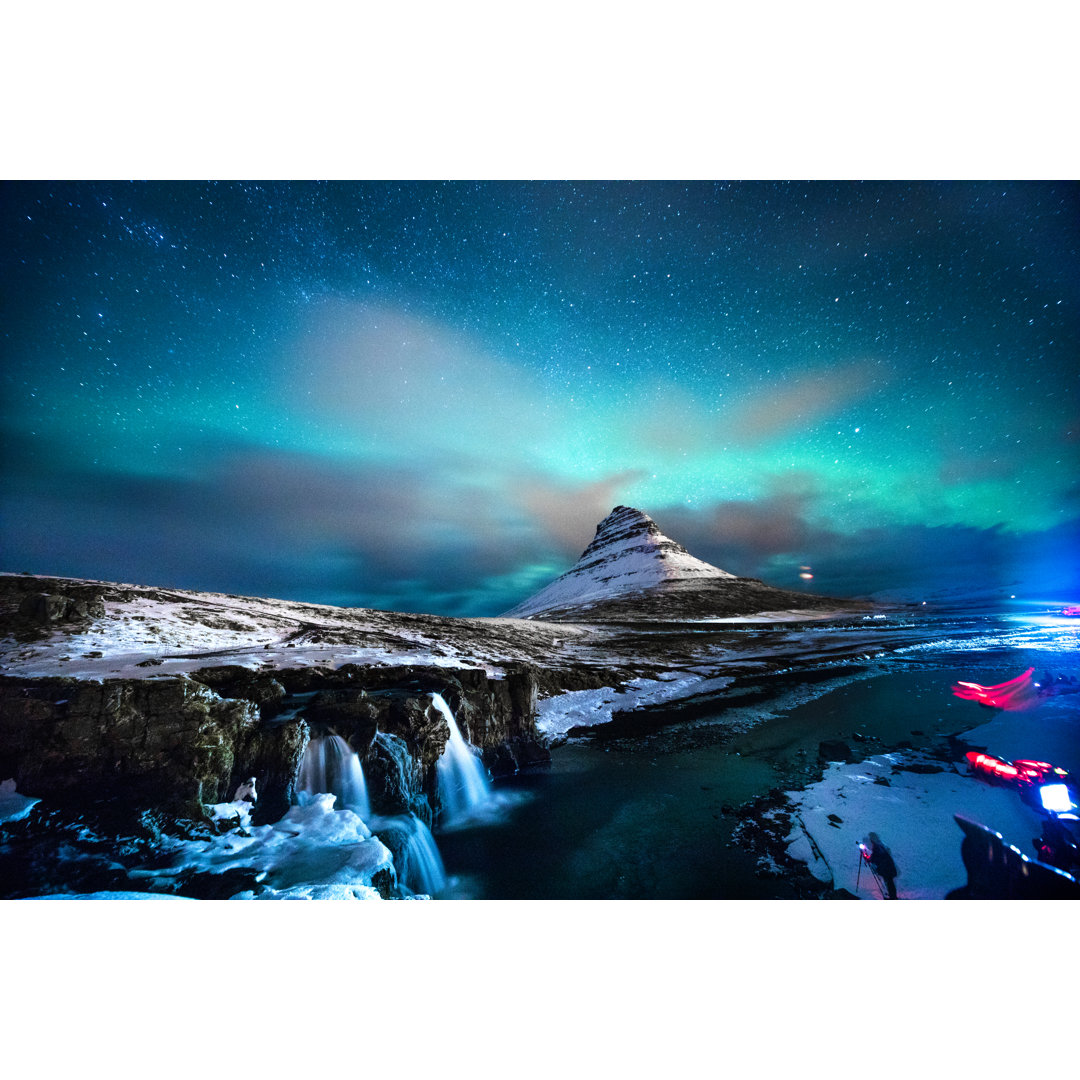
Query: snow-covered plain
[149, 632]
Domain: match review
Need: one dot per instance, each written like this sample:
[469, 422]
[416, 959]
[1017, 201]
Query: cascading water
[463, 782]
[330, 766]
[416, 857]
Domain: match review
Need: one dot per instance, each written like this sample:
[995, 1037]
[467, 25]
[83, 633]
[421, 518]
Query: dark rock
[233, 681]
[201, 885]
[170, 743]
[393, 777]
[49, 608]
[348, 713]
[272, 754]
[176, 743]
[420, 806]
[997, 871]
[384, 882]
[835, 750]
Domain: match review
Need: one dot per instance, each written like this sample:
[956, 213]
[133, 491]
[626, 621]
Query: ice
[14, 806]
[313, 892]
[310, 847]
[238, 812]
[117, 895]
[587, 708]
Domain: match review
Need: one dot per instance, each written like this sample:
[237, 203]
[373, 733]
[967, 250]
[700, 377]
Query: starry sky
[423, 396]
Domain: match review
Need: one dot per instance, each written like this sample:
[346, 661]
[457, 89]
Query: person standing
[883, 864]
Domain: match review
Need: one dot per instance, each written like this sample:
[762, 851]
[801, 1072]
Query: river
[656, 814]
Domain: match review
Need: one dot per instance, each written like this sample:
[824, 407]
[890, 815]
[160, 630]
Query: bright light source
[1056, 798]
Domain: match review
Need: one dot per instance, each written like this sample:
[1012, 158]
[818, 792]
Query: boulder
[46, 609]
[835, 750]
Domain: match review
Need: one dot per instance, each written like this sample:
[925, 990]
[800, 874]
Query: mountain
[632, 572]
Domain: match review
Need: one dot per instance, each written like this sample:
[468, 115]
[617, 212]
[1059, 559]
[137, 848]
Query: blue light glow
[1056, 798]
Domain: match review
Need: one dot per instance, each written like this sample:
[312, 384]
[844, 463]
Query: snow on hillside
[628, 554]
[148, 631]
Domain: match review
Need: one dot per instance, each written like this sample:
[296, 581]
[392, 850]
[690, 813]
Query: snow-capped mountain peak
[628, 554]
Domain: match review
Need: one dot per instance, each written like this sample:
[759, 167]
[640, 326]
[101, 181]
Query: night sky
[424, 396]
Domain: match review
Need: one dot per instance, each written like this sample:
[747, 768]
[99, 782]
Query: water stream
[463, 781]
[330, 766]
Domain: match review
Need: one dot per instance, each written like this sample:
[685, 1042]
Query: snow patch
[587, 708]
[311, 848]
[13, 806]
[913, 815]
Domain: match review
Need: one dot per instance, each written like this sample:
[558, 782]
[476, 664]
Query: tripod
[864, 857]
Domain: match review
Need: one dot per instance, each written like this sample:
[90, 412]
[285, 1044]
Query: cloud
[391, 379]
[446, 536]
[795, 402]
[772, 537]
[743, 536]
[569, 514]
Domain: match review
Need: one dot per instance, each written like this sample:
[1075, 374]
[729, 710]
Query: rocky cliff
[178, 743]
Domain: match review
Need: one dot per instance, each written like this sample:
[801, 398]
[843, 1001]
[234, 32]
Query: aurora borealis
[424, 396]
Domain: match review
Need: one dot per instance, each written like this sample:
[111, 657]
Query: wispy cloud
[796, 402]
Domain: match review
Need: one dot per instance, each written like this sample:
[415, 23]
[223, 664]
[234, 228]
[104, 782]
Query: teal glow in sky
[424, 396]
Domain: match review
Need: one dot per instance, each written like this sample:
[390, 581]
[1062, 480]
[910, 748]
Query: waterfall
[463, 782]
[330, 766]
[416, 857]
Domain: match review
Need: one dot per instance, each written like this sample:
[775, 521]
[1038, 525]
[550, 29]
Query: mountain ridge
[631, 571]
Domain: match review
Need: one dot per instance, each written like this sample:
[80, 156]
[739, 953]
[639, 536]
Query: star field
[424, 396]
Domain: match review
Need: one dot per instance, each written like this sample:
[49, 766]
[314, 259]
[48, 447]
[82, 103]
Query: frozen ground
[587, 708]
[913, 814]
[313, 851]
[150, 632]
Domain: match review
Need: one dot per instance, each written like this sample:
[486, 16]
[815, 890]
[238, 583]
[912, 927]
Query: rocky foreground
[139, 712]
[169, 700]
